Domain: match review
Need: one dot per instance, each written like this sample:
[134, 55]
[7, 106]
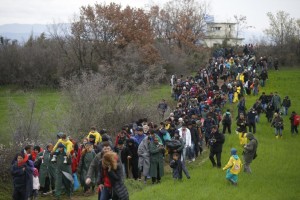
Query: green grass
[46, 101]
[275, 170]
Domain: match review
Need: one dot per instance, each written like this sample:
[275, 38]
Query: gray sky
[49, 11]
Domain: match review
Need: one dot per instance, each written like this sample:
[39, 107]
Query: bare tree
[241, 25]
[282, 28]
[25, 122]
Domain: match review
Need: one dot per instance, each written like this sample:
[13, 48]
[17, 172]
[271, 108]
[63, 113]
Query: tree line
[130, 44]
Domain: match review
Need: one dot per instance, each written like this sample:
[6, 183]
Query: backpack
[226, 119]
[296, 120]
[173, 144]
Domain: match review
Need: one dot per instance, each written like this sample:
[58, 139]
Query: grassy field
[46, 101]
[275, 170]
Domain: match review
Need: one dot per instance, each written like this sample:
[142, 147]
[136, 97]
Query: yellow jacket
[68, 144]
[235, 163]
[97, 135]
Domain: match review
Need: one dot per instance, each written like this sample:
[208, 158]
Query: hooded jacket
[235, 163]
[250, 148]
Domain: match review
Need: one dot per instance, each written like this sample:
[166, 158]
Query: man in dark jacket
[264, 100]
[226, 121]
[286, 103]
[251, 120]
[249, 152]
[195, 141]
[216, 142]
[207, 125]
[263, 77]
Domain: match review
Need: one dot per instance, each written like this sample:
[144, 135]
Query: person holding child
[66, 143]
[63, 172]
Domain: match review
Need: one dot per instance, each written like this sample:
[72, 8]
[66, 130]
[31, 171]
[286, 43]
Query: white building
[217, 33]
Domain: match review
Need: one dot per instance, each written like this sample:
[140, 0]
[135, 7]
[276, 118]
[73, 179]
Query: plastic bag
[76, 182]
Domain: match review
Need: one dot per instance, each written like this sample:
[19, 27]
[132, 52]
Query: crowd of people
[139, 151]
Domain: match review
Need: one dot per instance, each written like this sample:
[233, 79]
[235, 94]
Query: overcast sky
[48, 11]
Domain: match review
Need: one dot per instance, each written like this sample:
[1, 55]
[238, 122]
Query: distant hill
[22, 32]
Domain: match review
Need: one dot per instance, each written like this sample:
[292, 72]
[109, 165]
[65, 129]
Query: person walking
[162, 108]
[286, 103]
[156, 160]
[21, 171]
[251, 120]
[63, 172]
[216, 142]
[250, 152]
[233, 167]
[295, 120]
[226, 122]
[277, 123]
[47, 171]
[112, 170]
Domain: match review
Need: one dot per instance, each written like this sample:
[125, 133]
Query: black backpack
[227, 119]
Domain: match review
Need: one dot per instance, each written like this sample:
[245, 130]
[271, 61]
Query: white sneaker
[193, 159]
[53, 158]
[65, 161]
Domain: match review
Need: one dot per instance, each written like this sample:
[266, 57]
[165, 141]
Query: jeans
[230, 96]
[278, 131]
[105, 194]
[285, 110]
[294, 129]
[255, 91]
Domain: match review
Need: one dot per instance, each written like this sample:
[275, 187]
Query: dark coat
[194, 135]
[219, 140]
[118, 187]
[23, 178]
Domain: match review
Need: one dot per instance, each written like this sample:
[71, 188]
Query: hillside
[275, 171]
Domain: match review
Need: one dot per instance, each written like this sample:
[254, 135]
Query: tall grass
[275, 171]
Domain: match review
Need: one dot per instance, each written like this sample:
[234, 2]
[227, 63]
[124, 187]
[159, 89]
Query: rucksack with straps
[296, 120]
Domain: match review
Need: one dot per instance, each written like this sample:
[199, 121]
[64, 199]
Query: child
[66, 143]
[233, 167]
[36, 183]
[176, 165]
[94, 136]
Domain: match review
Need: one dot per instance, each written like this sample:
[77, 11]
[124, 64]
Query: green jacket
[47, 168]
[83, 167]
[156, 160]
